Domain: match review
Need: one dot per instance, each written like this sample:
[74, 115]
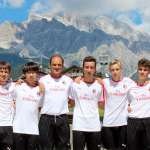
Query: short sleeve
[72, 92]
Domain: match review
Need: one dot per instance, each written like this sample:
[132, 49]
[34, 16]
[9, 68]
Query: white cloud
[86, 7]
[51, 6]
[15, 3]
[97, 7]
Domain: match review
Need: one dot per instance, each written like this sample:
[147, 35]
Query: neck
[55, 76]
[88, 79]
[3, 83]
[116, 79]
[142, 82]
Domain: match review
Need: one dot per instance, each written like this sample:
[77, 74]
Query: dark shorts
[54, 132]
[114, 137]
[6, 135]
[138, 134]
[25, 141]
[92, 140]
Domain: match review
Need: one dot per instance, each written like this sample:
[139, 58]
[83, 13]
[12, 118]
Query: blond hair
[114, 62]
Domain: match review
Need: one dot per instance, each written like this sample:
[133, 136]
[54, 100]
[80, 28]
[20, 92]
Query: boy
[6, 106]
[28, 101]
[86, 97]
[138, 129]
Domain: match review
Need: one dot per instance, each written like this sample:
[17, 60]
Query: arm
[13, 104]
[71, 103]
[129, 108]
[41, 88]
[103, 94]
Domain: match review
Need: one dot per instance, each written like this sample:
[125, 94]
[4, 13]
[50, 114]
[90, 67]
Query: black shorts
[54, 132]
[138, 134]
[114, 137]
[92, 140]
[25, 141]
[6, 135]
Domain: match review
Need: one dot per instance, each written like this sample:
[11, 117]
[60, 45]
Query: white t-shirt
[28, 101]
[139, 99]
[6, 104]
[115, 113]
[56, 95]
[86, 113]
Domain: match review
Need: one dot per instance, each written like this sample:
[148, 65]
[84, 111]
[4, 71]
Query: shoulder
[44, 78]
[129, 81]
[106, 80]
[67, 78]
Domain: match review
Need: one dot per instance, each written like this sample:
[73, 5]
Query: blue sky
[15, 14]
[18, 10]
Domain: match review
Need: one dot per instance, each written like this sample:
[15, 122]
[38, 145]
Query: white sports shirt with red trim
[139, 99]
[56, 95]
[86, 112]
[115, 113]
[6, 104]
[28, 101]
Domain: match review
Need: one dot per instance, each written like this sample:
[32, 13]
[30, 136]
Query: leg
[32, 142]
[78, 140]
[19, 142]
[147, 132]
[108, 139]
[132, 134]
[46, 132]
[6, 137]
[62, 133]
[93, 140]
[122, 139]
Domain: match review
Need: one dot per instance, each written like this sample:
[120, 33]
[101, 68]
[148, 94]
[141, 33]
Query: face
[56, 66]
[143, 73]
[4, 76]
[89, 69]
[31, 77]
[115, 71]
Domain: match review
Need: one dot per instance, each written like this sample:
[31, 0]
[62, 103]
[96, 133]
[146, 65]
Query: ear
[49, 65]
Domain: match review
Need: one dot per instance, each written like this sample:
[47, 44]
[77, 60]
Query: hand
[78, 79]
[19, 81]
[129, 109]
[100, 80]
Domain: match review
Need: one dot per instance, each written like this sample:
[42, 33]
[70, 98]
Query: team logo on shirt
[38, 93]
[94, 91]
[64, 82]
[124, 86]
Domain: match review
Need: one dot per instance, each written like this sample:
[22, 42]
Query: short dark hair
[5, 65]
[89, 59]
[56, 55]
[30, 66]
[144, 63]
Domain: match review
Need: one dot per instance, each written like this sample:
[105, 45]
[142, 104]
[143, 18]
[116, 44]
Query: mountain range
[75, 37]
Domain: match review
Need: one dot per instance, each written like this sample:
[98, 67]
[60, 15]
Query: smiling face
[89, 69]
[31, 77]
[31, 70]
[143, 69]
[4, 76]
[56, 66]
[143, 73]
[5, 69]
[115, 70]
